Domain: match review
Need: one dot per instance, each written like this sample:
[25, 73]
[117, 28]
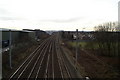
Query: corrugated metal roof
[3, 29]
[25, 31]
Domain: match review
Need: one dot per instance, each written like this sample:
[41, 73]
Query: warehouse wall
[17, 36]
[32, 35]
[6, 35]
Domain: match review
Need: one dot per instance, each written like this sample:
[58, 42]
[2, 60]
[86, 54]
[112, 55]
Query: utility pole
[10, 40]
[0, 55]
[76, 47]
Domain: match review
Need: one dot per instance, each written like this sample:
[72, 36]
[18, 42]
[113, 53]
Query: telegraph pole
[76, 47]
[10, 39]
[1, 55]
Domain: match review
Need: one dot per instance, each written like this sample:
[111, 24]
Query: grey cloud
[9, 18]
[3, 11]
[65, 21]
[6, 15]
[6, 18]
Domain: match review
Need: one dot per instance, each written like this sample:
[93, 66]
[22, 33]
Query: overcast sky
[56, 14]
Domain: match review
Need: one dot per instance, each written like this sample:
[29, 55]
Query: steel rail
[40, 64]
[36, 63]
[27, 59]
[66, 67]
[46, 71]
[51, 52]
[58, 61]
[38, 56]
[62, 59]
[22, 64]
[38, 59]
[46, 75]
[26, 66]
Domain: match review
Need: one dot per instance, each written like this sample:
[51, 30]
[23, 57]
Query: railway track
[64, 68]
[29, 61]
[46, 61]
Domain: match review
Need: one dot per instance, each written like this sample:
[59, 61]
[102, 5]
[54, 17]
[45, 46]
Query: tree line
[107, 36]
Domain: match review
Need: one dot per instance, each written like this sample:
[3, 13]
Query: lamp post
[76, 47]
[10, 39]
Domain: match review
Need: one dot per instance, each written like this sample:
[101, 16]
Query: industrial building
[15, 36]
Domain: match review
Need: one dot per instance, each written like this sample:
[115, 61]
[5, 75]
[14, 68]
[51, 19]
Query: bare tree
[110, 26]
